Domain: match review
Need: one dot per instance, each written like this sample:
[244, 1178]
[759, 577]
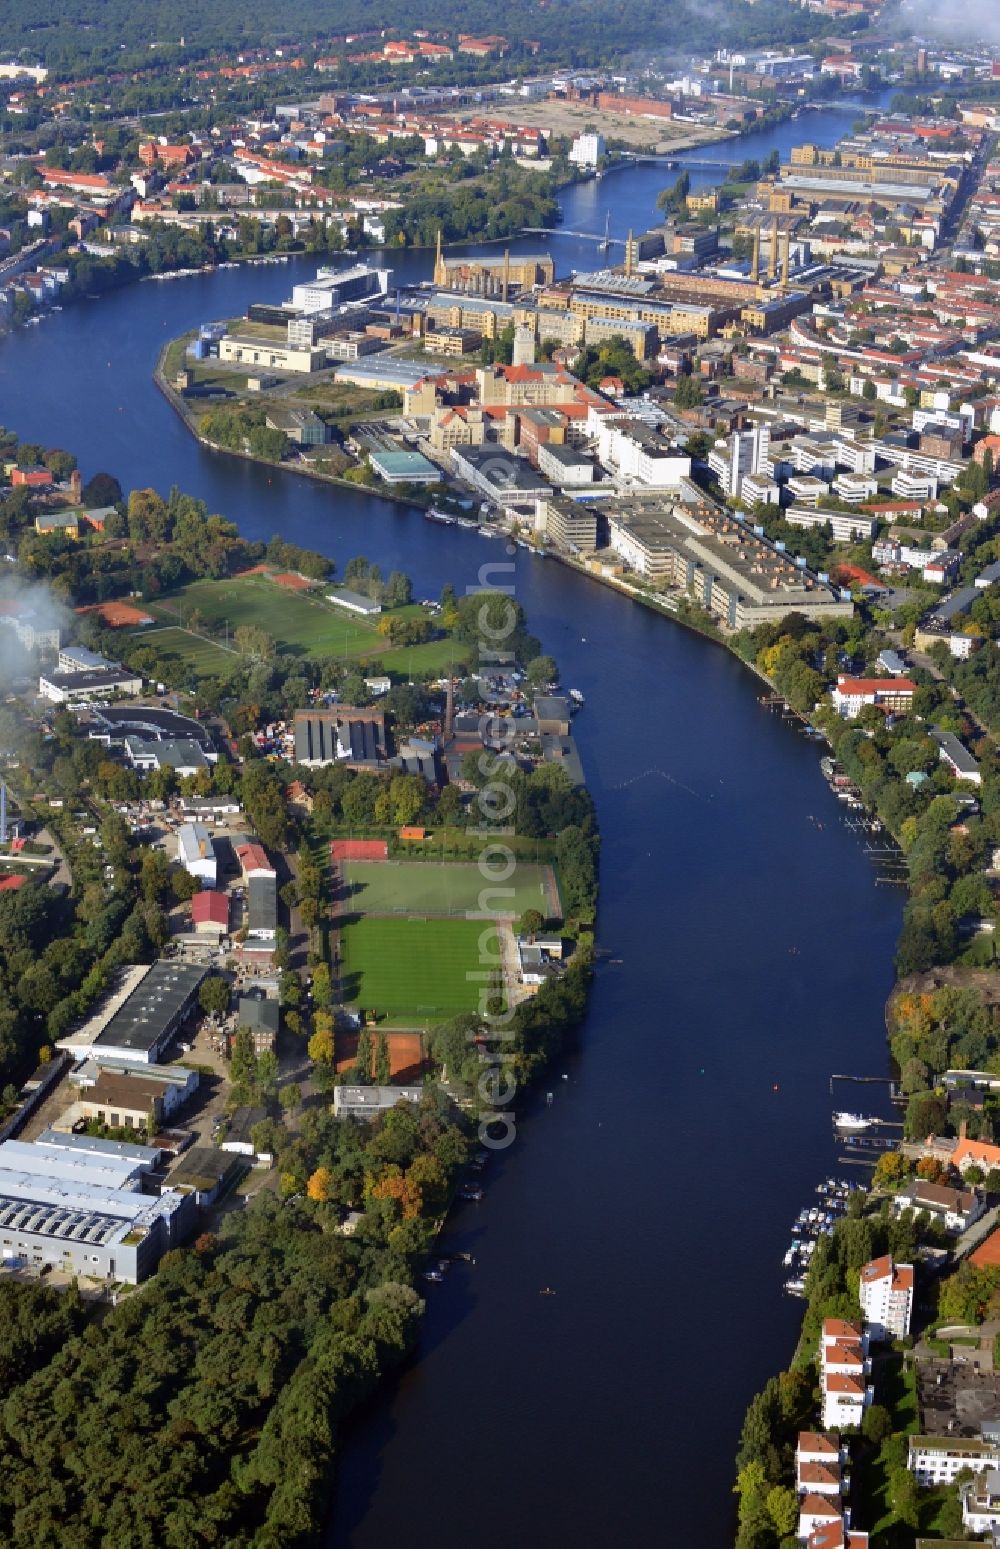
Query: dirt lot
[572, 118]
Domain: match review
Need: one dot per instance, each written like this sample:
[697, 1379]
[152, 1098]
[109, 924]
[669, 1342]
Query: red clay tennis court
[358, 850]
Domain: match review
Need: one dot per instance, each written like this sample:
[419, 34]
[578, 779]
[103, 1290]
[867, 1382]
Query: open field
[572, 118]
[426, 887]
[301, 623]
[189, 656]
[299, 620]
[410, 971]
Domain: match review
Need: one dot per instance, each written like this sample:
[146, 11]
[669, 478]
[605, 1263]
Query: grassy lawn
[896, 1390]
[411, 972]
[302, 623]
[189, 656]
[425, 887]
[434, 657]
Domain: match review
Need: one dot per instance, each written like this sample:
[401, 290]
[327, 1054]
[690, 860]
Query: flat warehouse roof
[50, 1165]
[382, 371]
[97, 1146]
[152, 1006]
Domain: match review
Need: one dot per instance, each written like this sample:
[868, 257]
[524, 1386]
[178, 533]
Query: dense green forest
[205, 1409]
[69, 33]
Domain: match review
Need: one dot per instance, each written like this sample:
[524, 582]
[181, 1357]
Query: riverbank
[176, 401]
[704, 803]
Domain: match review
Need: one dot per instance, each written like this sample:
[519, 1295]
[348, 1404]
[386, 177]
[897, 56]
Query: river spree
[690, 1124]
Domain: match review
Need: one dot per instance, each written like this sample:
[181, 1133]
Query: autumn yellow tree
[321, 1045]
[891, 1171]
[320, 1183]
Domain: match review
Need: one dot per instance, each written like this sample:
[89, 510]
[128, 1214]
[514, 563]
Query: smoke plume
[951, 21]
[36, 608]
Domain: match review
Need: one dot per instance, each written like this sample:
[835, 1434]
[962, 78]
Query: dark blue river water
[655, 1195]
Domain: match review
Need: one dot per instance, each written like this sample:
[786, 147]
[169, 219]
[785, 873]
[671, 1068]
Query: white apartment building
[981, 1503]
[939, 1459]
[817, 1511]
[843, 528]
[857, 456]
[807, 490]
[886, 1293]
[844, 1371]
[637, 454]
[894, 695]
[745, 451]
[914, 486]
[819, 1465]
[855, 488]
[587, 150]
[759, 489]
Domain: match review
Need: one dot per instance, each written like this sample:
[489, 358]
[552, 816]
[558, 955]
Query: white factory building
[84, 1213]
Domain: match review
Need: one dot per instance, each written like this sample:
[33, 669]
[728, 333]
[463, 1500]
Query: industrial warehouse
[69, 1207]
[135, 1023]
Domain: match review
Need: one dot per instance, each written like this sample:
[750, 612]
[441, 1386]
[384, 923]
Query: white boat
[434, 515]
[852, 1121]
[576, 696]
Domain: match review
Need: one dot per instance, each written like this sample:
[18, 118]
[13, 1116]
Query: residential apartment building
[886, 1295]
[843, 528]
[937, 1460]
[844, 1373]
[893, 695]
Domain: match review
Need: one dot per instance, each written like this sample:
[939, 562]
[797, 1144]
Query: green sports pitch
[457, 889]
[411, 972]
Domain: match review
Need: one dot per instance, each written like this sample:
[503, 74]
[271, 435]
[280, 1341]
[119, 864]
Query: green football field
[185, 656]
[302, 623]
[453, 888]
[411, 972]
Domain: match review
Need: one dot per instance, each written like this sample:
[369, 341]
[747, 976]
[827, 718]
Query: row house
[844, 1373]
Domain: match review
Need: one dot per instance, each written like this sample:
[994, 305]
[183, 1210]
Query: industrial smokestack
[772, 257]
[755, 265]
[449, 708]
[786, 260]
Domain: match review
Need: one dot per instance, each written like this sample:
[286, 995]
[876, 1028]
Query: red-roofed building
[987, 1255]
[893, 695]
[210, 913]
[816, 1511]
[11, 884]
[844, 1368]
[975, 1153]
[836, 1535]
[82, 182]
[31, 478]
[253, 861]
[153, 151]
[886, 1294]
